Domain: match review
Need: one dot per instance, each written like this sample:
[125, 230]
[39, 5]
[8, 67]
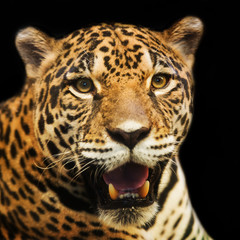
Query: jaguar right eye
[83, 85]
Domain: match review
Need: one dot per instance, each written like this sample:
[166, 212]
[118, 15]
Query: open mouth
[130, 185]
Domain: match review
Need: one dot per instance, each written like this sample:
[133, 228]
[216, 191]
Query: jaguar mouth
[130, 185]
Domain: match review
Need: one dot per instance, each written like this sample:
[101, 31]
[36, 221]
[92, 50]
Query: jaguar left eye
[160, 81]
[84, 85]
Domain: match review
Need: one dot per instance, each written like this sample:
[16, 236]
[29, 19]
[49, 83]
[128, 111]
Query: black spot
[98, 233]
[41, 124]
[140, 36]
[66, 227]
[28, 189]
[52, 228]
[183, 119]
[13, 150]
[31, 104]
[25, 110]
[69, 219]
[106, 63]
[22, 193]
[125, 42]
[126, 33]
[60, 72]
[37, 232]
[64, 128]
[19, 109]
[67, 45]
[69, 61]
[21, 210]
[94, 44]
[73, 69]
[138, 56]
[15, 174]
[54, 91]
[96, 224]
[104, 49]
[32, 152]
[74, 34]
[50, 207]
[52, 148]
[66, 54]
[94, 34]
[106, 33]
[41, 95]
[10, 192]
[54, 220]
[186, 86]
[62, 141]
[7, 134]
[4, 156]
[18, 138]
[22, 162]
[50, 118]
[25, 126]
[34, 216]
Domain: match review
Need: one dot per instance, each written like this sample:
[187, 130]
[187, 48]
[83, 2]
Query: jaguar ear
[34, 47]
[184, 36]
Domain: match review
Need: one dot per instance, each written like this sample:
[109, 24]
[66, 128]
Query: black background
[208, 155]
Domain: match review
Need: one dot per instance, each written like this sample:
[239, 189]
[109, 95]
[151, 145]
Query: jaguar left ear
[184, 36]
[34, 47]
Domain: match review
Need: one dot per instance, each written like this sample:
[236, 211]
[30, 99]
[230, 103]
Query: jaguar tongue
[129, 180]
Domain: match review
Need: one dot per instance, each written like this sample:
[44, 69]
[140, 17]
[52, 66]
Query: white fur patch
[130, 126]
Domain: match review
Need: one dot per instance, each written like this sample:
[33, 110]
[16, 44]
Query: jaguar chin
[129, 216]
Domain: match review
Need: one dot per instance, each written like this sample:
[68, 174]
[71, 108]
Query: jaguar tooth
[143, 191]
[113, 192]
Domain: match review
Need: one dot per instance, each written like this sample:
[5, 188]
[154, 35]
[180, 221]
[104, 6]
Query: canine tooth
[112, 192]
[143, 191]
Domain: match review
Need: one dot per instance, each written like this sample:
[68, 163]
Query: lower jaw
[123, 217]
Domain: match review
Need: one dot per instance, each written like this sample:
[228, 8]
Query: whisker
[84, 167]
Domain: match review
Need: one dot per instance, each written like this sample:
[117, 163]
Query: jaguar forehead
[102, 61]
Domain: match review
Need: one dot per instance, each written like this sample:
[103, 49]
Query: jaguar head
[112, 105]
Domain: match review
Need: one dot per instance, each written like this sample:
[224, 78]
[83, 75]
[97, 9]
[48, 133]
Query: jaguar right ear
[184, 36]
[34, 47]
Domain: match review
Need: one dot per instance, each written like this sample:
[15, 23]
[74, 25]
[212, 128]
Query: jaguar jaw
[127, 181]
[130, 185]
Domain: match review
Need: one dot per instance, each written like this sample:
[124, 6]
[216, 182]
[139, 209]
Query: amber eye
[84, 85]
[160, 81]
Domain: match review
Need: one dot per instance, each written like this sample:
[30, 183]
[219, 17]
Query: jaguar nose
[129, 139]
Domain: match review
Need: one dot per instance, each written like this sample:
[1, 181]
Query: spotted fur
[54, 139]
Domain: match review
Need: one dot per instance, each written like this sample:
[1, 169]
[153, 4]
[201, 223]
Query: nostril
[129, 139]
[141, 133]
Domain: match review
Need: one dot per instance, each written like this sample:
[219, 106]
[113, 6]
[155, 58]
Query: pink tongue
[127, 177]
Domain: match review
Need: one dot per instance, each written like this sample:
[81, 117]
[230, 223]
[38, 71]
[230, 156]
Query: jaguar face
[113, 104]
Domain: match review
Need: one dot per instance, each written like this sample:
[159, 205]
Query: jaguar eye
[160, 81]
[84, 85]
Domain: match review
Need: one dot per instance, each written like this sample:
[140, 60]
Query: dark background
[208, 155]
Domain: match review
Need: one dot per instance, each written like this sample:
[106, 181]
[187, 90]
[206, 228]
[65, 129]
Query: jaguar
[89, 148]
